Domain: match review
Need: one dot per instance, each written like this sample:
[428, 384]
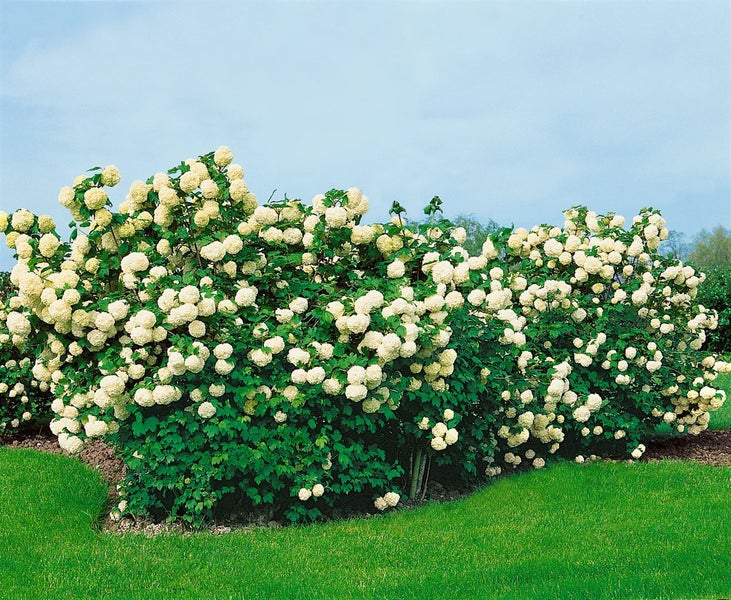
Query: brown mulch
[709, 447]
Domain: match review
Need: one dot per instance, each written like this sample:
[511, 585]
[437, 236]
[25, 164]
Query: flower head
[206, 410]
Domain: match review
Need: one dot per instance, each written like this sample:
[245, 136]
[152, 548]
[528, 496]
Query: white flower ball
[265, 215]
[48, 244]
[356, 392]
[443, 272]
[112, 385]
[197, 328]
[233, 244]
[283, 315]
[209, 189]
[259, 357]
[223, 351]
[476, 297]
[396, 269]
[134, 262]
[290, 392]
[373, 375]
[298, 305]
[336, 216]
[356, 375]
[298, 356]
[214, 251]
[223, 156]
[299, 376]
[95, 428]
[192, 363]
[439, 430]
[451, 436]
[582, 414]
[189, 294]
[95, 198]
[336, 309]
[315, 375]
[71, 443]
[189, 181]
[553, 248]
[438, 444]
[292, 236]
[391, 498]
[454, 299]
[246, 296]
[165, 394]
[594, 402]
[275, 344]
[332, 386]
[206, 410]
[143, 397]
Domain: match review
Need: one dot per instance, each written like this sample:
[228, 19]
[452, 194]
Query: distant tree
[676, 245]
[477, 232]
[712, 249]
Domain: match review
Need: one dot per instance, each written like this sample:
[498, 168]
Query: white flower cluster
[443, 436]
[591, 265]
[194, 297]
[388, 500]
[316, 491]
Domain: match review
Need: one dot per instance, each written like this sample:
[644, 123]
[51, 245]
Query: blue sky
[511, 111]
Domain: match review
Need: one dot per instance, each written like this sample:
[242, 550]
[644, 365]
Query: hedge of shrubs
[288, 356]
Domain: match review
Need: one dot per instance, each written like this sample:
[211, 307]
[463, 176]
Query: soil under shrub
[709, 447]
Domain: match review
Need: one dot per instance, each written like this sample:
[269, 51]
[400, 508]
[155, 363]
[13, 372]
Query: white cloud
[511, 111]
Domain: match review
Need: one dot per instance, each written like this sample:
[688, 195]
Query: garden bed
[709, 447]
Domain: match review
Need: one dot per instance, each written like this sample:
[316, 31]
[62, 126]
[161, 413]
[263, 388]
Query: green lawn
[608, 530]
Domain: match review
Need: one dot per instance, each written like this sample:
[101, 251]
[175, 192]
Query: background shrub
[716, 295]
[712, 254]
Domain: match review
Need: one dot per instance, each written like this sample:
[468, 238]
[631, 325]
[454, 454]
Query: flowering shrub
[24, 399]
[600, 341]
[288, 356]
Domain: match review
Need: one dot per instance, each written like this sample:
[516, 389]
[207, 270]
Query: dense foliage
[715, 294]
[288, 356]
[712, 254]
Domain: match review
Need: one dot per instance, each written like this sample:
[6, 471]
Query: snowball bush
[25, 397]
[287, 356]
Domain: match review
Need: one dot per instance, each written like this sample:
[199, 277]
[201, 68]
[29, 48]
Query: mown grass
[608, 530]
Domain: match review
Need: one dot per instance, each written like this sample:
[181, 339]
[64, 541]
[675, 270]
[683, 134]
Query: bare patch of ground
[708, 447]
